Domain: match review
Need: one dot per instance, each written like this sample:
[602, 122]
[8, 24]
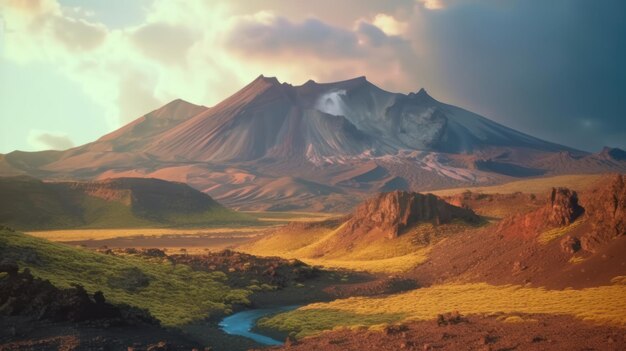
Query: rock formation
[606, 213]
[561, 209]
[395, 211]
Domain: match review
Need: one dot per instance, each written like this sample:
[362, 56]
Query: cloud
[483, 55]
[267, 34]
[390, 25]
[314, 49]
[198, 51]
[43, 140]
[433, 4]
[165, 42]
[77, 34]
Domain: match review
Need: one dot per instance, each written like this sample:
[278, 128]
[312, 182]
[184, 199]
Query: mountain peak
[613, 153]
[266, 80]
[422, 96]
[177, 109]
[178, 103]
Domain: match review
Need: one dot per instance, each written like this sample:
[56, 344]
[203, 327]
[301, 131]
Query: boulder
[570, 244]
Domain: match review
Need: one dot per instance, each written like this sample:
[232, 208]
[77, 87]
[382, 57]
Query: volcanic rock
[21, 294]
[561, 209]
[564, 208]
[570, 244]
[395, 211]
[606, 212]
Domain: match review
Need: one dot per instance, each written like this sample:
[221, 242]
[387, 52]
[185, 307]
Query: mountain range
[317, 146]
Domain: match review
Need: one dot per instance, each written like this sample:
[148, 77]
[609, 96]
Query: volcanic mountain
[319, 146]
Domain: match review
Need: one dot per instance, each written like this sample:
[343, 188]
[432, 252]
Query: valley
[497, 257]
[397, 175]
[333, 216]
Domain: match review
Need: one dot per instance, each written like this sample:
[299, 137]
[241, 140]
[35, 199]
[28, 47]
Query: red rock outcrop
[606, 212]
[561, 209]
[395, 211]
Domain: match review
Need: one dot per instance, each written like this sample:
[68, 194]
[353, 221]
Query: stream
[241, 323]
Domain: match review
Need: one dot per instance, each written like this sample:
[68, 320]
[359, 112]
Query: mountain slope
[349, 138]
[321, 122]
[28, 203]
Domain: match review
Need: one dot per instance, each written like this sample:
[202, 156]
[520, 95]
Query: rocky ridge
[395, 211]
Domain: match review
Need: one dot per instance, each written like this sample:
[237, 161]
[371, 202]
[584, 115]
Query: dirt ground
[521, 332]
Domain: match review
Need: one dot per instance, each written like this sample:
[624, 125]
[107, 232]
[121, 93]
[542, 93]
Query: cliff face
[395, 211]
[602, 210]
[606, 213]
[561, 209]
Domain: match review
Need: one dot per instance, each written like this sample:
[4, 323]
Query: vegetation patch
[576, 259]
[130, 279]
[548, 236]
[604, 304]
[175, 294]
[318, 246]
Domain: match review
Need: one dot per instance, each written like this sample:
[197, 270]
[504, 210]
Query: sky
[74, 70]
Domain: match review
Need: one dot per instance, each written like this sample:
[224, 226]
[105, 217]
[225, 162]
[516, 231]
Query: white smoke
[332, 103]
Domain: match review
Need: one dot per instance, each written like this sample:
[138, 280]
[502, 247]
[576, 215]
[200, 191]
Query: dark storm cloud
[554, 69]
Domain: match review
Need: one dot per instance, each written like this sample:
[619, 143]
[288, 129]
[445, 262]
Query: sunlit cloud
[203, 51]
[197, 50]
[390, 25]
[432, 4]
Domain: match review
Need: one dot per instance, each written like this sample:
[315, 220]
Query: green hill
[27, 203]
[151, 283]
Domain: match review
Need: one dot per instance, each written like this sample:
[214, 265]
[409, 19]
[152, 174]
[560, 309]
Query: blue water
[241, 323]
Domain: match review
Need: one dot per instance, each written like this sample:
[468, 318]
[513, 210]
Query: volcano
[317, 146]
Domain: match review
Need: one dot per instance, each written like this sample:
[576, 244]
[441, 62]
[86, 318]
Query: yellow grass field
[286, 217]
[396, 264]
[267, 219]
[606, 304]
[100, 234]
[535, 186]
[380, 255]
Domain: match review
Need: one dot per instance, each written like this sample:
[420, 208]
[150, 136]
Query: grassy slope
[604, 304]
[535, 186]
[318, 246]
[175, 294]
[100, 234]
[56, 206]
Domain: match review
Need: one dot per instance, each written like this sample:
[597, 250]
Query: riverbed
[242, 323]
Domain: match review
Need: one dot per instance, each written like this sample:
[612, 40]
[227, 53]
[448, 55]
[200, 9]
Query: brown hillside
[567, 242]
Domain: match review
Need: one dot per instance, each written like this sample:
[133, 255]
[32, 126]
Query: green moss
[175, 294]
